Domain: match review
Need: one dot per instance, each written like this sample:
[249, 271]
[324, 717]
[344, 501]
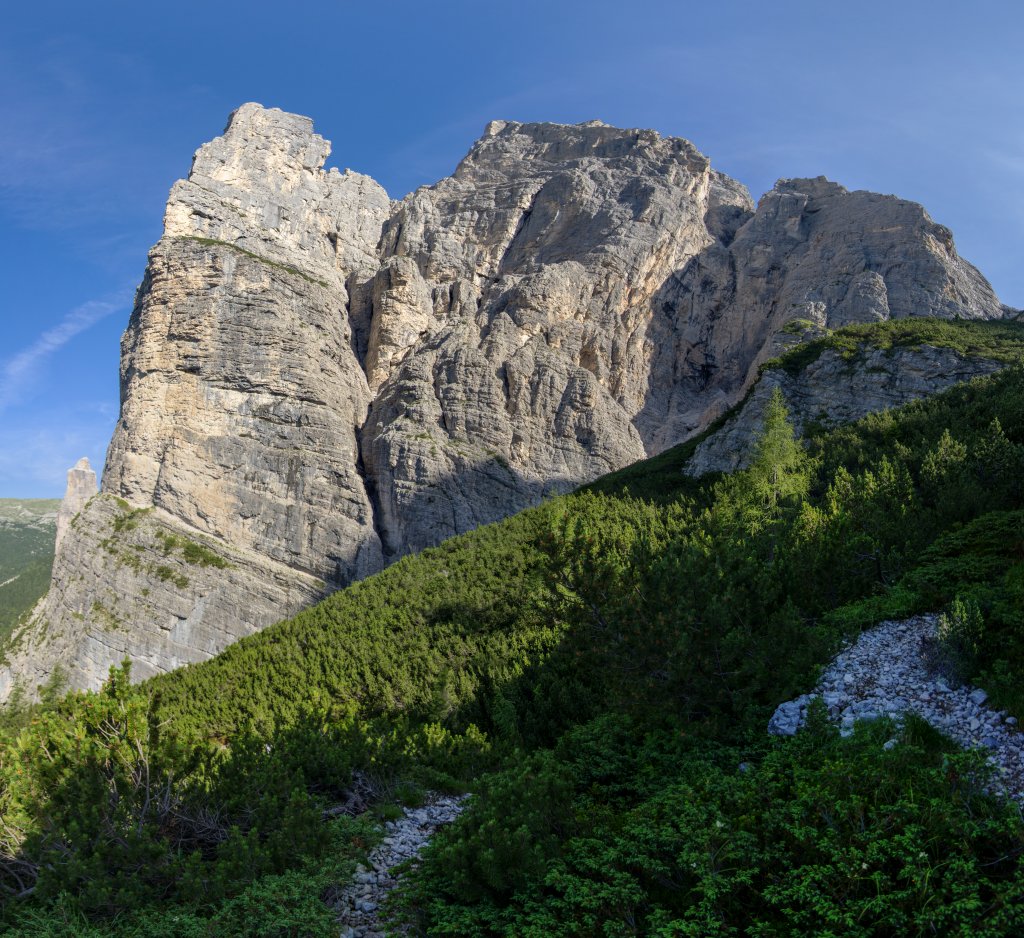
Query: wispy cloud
[18, 372]
[1009, 157]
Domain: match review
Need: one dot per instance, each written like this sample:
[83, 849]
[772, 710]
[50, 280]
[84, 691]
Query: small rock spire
[81, 487]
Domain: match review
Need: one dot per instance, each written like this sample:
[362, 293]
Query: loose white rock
[358, 903]
[884, 671]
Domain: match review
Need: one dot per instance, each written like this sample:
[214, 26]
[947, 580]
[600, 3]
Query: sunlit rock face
[81, 487]
[241, 393]
[316, 379]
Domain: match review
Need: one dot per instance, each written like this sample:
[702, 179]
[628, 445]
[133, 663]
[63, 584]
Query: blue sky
[103, 104]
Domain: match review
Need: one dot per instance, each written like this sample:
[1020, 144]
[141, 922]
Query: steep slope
[835, 379]
[599, 672]
[316, 380]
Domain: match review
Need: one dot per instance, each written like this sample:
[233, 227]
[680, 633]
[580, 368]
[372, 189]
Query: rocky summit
[316, 379]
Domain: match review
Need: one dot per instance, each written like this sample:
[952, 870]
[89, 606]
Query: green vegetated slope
[599, 671]
[996, 340]
[27, 530]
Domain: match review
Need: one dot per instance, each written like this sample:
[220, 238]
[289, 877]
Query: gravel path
[358, 902]
[884, 674]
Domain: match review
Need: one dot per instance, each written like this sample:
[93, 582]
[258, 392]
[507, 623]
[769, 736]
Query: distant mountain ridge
[27, 532]
[317, 379]
[31, 512]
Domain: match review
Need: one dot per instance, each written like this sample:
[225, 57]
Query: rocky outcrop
[241, 395]
[132, 582]
[836, 388]
[316, 379]
[81, 487]
[530, 276]
[812, 251]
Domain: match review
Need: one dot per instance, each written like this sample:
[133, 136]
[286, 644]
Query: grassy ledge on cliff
[997, 340]
[598, 672]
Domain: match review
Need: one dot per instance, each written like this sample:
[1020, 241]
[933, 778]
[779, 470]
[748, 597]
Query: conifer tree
[780, 468]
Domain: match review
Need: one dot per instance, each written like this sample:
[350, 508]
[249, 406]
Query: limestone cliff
[241, 394]
[533, 275]
[316, 379]
[129, 583]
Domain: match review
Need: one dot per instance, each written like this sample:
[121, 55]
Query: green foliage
[819, 835]
[18, 712]
[202, 556]
[128, 519]
[105, 810]
[902, 512]
[440, 636]
[287, 905]
[166, 574]
[20, 592]
[595, 669]
[779, 471]
[994, 340]
[190, 551]
[90, 798]
[960, 633]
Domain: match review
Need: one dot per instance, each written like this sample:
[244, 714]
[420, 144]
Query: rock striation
[241, 392]
[316, 380]
[135, 583]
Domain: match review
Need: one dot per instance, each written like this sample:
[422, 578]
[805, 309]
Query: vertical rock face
[241, 394]
[316, 379]
[81, 487]
[134, 582]
[527, 279]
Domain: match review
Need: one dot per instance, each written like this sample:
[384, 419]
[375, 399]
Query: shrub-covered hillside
[599, 672]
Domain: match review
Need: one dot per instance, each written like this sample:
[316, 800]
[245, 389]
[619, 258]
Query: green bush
[959, 634]
[595, 670]
[821, 835]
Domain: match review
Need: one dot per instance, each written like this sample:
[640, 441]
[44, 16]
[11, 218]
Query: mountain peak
[317, 380]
